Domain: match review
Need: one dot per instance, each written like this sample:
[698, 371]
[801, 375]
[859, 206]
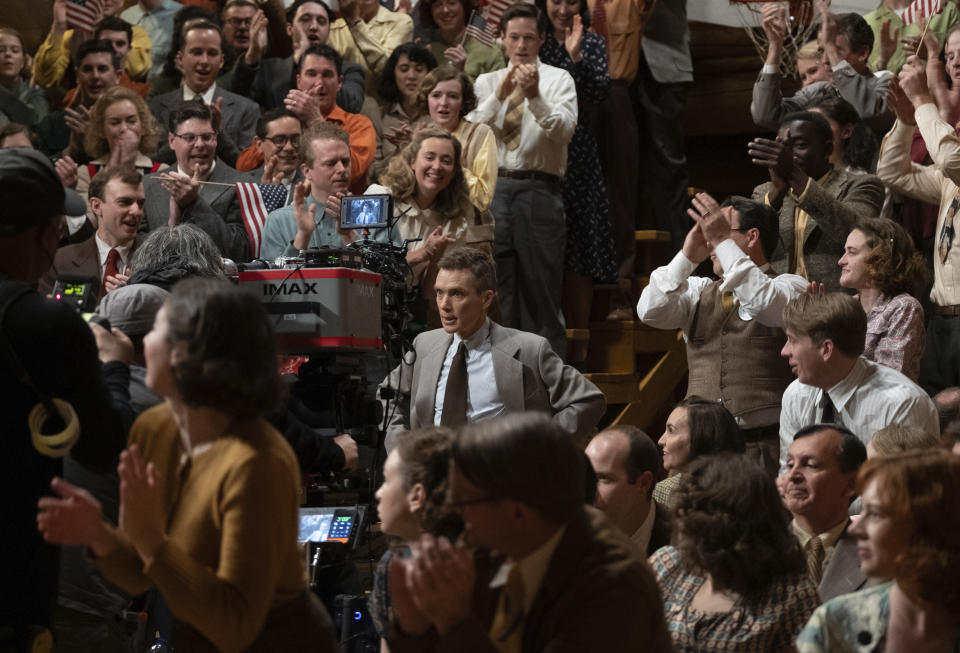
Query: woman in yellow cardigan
[208, 489]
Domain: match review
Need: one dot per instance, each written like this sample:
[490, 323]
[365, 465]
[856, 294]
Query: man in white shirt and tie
[116, 201]
[532, 108]
[825, 339]
[474, 369]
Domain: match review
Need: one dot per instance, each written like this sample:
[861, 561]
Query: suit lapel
[507, 370]
[842, 574]
[429, 377]
[212, 192]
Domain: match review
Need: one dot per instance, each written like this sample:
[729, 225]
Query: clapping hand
[440, 577]
[707, 214]
[141, 509]
[574, 35]
[182, 188]
[67, 171]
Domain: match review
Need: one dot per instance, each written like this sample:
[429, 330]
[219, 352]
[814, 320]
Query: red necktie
[110, 269]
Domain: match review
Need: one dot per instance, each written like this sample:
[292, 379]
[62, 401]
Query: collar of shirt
[336, 115]
[533, 568]
[828, 538]
[207, 96]
[474, 341]
[103, 250]
[841, 393]
[641, 537]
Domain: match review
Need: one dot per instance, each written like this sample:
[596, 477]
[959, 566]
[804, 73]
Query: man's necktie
[455, 397]
[815, 554]
[505, 631]
[726, 301]
[947, 232]
[513, 120]
[110, 269]
[829, 411]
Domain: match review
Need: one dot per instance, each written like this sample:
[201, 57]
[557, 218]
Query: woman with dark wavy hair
[882, 265]
[696, 427]
[909, 531]
[410, 502]
[209, 491]
[400, 104]
[734, 578]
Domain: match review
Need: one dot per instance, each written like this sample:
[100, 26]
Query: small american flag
[919, 9]
[257, 201]
[83, 14]
[485, 23]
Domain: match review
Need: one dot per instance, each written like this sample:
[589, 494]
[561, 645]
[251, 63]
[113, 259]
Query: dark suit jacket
[268, 83]
[82, 259]
[833, 208]
[240, 116]
[216, 210]
[529, 376]
[842, 575]
[666, 42]
[597, 595]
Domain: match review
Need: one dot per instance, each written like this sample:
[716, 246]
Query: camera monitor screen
[327, 524]
[365, 211]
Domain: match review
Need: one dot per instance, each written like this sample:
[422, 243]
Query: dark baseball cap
[30, 190]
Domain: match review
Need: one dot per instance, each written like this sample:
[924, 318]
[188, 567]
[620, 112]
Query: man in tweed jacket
[818, 204]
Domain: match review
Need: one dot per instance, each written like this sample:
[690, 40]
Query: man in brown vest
[732, 325]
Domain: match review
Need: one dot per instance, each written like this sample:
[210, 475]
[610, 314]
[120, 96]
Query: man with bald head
[627, 464]
[817, 488]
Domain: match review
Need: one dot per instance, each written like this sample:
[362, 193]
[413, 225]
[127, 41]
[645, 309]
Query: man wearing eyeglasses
[738, 313]
[199, 187]
[278, 141]
[549, 573]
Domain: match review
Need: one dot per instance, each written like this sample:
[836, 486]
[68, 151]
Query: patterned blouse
[764, 622]
[852, 623]
[895, 334]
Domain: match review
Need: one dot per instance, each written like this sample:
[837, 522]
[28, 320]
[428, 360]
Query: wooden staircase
[641, 370]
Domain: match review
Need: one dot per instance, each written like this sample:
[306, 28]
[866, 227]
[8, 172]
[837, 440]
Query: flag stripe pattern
[485, 24]
[83, 14]
[919, 9]
[257, 201]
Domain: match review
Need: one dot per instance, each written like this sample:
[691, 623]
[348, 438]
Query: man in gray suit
[474, 369]
[201, 59]
[198, 189]
[817, 487]
[818, 204]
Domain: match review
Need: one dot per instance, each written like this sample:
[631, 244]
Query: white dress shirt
[936, 184]
[206, 96]
[670, 300]
[483, 398]
[548, 120]
[103, 250]
[869, 398]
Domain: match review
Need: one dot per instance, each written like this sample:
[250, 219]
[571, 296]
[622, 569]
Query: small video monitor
[327, 524]
[78, 291]
[365, 211]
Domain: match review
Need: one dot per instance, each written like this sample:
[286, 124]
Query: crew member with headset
[48, 363]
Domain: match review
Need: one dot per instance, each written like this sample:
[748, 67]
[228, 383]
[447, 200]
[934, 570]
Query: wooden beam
[655, 390]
